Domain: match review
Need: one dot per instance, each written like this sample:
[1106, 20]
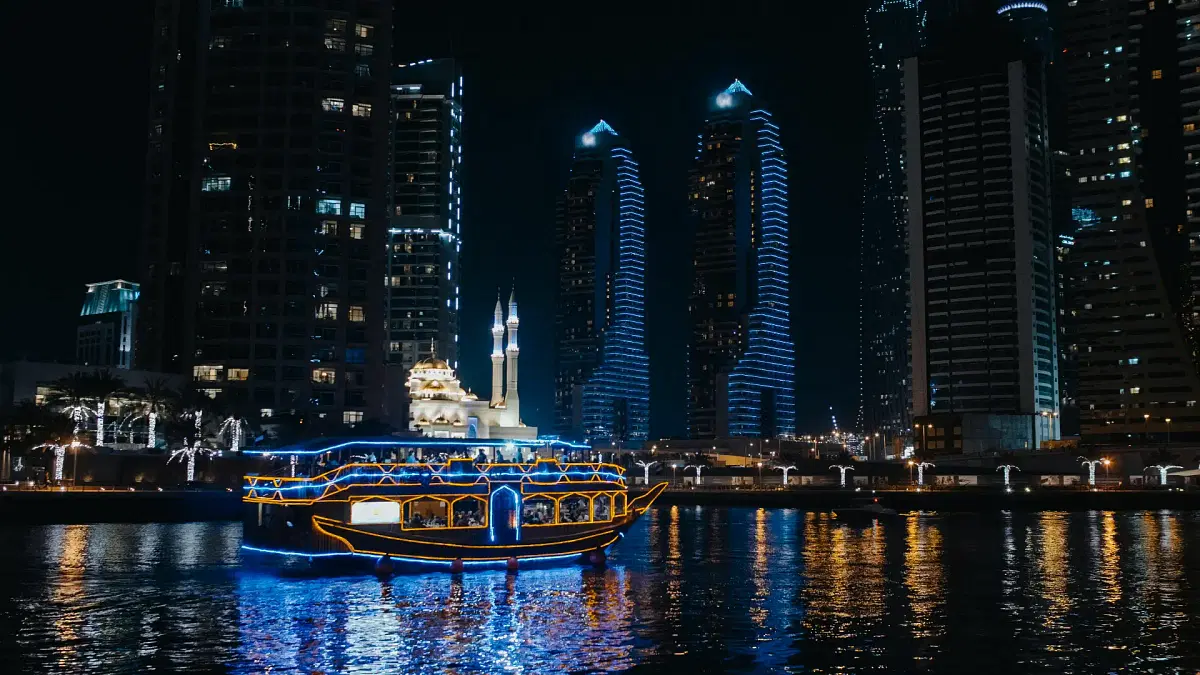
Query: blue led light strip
[414, 561]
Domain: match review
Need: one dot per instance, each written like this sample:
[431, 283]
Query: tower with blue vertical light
[741, 359]
[602, 383]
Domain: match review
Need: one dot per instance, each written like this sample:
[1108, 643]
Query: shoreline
[119, 505]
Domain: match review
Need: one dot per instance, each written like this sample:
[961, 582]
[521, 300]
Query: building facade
[602, 378]
[104, 335]
[1132, 292]
[425, 216]
[894, 30]
[981, 246]
[440, 407]
[266, 224]
[741, 358]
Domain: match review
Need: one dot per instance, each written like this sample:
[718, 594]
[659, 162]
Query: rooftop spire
[737, 88]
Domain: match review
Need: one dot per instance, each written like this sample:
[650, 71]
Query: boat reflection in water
[454, 512]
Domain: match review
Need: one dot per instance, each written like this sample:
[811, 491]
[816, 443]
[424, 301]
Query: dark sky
[532, 83]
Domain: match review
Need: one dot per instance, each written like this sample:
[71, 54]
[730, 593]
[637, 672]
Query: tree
[102, 386]
[71, 396]
[157, 399]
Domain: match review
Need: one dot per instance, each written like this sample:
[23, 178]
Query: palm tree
[157, 399]
[71, 395]
[26, 425]
[195, 408]
[102, 386]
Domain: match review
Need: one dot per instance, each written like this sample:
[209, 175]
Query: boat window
[425, 512]
[537, 511]
[619, 508]
[602, 508]
[469, 512]
[573, 509]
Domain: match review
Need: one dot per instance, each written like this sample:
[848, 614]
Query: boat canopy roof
[376, 445]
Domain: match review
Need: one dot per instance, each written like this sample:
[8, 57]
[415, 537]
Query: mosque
[441, 408]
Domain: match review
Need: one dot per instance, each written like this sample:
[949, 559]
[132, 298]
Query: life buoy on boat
[384, 566]
[512, 564]
[456, 566]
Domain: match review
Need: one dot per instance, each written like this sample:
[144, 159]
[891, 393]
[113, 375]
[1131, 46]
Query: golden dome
[432, 363]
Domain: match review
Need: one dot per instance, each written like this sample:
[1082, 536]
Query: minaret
[510, 397]
[498, 355]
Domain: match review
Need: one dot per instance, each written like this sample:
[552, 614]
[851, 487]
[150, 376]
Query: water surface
[689, 590]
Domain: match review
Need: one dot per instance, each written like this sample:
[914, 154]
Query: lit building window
[335, 44]
[362, 30]
[327, 310]
[364, 50]
[352, 416]
[1189, 127]
[1149, 202]
[266, 413]
[1133, 360]
[362, 70]
[207, 373]
[238, 374]
[217, 184]
[1135, 390]
[356, 313]
[356, 231]
[329, 227]
[1156, 74]
[361, 109]
[324, 375]
[333, 104]
[394, 346]
[1124, 160]
[358, 210]
[335, 26]
[221, 42]
[330, 207]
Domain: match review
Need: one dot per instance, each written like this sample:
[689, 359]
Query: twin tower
[500, 398]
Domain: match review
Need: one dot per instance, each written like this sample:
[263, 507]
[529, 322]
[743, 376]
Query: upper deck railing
[454, 473]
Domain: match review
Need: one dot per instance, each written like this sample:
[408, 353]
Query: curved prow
[644, 501]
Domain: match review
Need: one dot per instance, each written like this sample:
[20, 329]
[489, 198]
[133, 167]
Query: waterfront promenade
[149, 505]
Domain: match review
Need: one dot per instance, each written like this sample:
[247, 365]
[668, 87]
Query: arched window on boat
[601, 508]
[537, 511]
[469, 512]
[574, 509]
[619, 505]
[426, 512]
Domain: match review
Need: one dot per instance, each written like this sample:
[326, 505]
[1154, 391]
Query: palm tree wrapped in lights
[71, 395]
[843, 468]
[1007, 469]
[697, 467]
[1091, 464]
[785, 470]
[157, 399]
[645, 470]
[1162, 471]
[103, 385]
[921, 471]
[60, 454]
[189, 452]
[234, 425]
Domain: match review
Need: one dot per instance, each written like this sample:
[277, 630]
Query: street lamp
[760, 474]
[910, 471]
[875, 446]
[1146, 433]
[1168, 431]
[1106, 461]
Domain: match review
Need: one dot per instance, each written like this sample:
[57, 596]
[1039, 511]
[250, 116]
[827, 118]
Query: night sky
[532, 83]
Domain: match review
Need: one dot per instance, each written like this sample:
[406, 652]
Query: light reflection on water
[689, 590]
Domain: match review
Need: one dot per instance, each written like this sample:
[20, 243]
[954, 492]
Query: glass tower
[426, 214]
[602, 381]
[894, 32]
[741, 359]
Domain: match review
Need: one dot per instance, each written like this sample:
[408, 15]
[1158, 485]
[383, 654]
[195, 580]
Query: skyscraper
[741, 358]
[894, 30]
[602, 380]
[984, 355]
[267, 188]
[1129, 265]
[425, 218]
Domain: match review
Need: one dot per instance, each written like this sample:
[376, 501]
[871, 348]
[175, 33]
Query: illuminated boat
[455, 512]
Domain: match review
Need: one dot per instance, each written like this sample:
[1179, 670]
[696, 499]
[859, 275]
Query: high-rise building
[741, 358]
[425, 216]
[602, 379]
[1129, 264]
[268, 197]
[1188, 23]
[981, 248]
[104, 335]
[894, 31]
